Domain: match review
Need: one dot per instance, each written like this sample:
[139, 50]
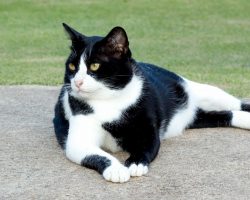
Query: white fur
[203, 96]
[90, 86]
[183, 117]
[81, 73]
[110, 143]
[114, 102]
[85, 137]
[210, 98]
[241, 119]
[162, 130]
[66, 106]
[138, 170]
[180, 121]
[85, 134]
[116, 173]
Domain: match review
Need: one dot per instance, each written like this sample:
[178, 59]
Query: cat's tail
[212, 119]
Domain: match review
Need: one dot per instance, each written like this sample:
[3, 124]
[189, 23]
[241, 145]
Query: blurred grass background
[206, 41]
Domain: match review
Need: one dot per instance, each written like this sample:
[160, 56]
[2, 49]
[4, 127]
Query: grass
[206, 41]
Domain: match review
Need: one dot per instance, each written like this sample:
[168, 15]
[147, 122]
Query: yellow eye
[94, 67]
[72, 67]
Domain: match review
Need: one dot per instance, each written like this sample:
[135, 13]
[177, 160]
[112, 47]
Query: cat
[109, 102]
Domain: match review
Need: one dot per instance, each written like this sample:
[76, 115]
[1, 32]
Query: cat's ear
[116, 43]
[74, 36]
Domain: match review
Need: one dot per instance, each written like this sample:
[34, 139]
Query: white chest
[88, 128]
[108, 111]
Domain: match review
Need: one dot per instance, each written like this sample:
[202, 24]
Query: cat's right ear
[74, 36]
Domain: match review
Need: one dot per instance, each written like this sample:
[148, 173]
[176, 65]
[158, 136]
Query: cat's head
[98, 66]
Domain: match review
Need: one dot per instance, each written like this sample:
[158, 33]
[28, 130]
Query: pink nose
[78, 83]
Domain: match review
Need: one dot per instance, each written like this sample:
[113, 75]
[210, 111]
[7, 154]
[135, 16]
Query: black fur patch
[96, 162]
[79, 106]
[212, 119]
[245, 107]
[61, 125]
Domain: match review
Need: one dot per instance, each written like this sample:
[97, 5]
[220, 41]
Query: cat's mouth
[79, 90]
[83, 92]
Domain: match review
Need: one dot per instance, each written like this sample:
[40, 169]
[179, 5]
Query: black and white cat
[109, 101]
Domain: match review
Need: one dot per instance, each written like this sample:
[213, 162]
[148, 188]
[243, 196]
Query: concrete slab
[201, 164]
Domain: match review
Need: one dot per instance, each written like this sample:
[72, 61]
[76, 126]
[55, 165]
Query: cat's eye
[94, 67]
[72, 67]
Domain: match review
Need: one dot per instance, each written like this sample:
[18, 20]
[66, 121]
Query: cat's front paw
[138, 170]
[116, 173]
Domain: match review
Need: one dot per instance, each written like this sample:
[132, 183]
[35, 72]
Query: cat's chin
[81, 94]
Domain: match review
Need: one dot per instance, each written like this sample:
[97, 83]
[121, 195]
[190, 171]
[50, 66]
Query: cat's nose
[78, 83]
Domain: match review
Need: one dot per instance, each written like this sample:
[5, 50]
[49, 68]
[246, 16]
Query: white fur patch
[89, 87]
[109, 106]
[138, 170]
[116, 173]
[210, 98]
[110, 143]
[241, 119]
[206, 97]
[82, 68]
[66, 106]
[180, 121]
[183, 117]
[84, 138]
[114, 106]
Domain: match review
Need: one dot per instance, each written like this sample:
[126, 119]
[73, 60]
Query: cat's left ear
[116, 43]
[74, 36]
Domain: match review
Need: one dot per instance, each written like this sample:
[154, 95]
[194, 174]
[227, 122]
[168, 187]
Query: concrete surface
[201, 164]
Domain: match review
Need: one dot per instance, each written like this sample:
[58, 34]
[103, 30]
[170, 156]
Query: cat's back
[164, 91]
[159, 79]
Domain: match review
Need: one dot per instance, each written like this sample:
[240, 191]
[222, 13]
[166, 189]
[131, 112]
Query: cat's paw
[138, 170]
[116, 173]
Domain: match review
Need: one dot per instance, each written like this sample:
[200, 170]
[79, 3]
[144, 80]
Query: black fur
[212, 119]
[79, 106]
[245, 107]
[61, 125]
[96, 162]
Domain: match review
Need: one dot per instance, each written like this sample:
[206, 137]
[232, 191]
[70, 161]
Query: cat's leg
[210, 98]
[211, 119]
[140, 159]
[83, 147]
[216, 108]
[61, 125]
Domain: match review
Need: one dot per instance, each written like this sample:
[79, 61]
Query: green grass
[206, 41]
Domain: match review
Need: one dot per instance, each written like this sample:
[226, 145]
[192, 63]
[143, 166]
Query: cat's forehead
[89, 44]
